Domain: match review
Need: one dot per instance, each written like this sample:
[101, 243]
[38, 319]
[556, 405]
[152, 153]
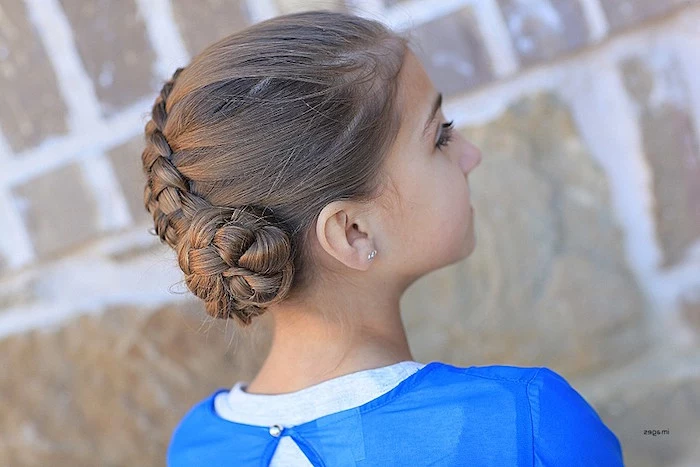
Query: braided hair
[206, 182]
[225, 252]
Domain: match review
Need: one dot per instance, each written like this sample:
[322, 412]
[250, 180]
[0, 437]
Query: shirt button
[275, 430]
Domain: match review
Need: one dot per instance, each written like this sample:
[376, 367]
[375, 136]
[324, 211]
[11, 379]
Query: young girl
[303, 167]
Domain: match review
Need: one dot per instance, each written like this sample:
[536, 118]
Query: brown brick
[672, 151]
[452, 51]
[31, 107]
[690, 311]
[126, 160]
[58, 210]
[209, 21]
[624, 13]
[544, 29]
[112, 43]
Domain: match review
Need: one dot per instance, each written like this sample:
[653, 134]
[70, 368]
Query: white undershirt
[295, 408]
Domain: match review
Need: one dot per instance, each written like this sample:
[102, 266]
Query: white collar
[330, 396]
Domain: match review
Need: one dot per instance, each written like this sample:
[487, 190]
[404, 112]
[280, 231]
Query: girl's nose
[470, 158]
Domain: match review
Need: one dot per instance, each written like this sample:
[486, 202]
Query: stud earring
[371, 256]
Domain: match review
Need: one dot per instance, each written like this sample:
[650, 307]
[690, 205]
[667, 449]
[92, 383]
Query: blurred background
[587, 205]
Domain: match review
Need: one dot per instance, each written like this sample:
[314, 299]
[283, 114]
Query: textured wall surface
[587, 113]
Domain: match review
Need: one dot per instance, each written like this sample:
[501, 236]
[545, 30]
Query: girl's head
[283, 154]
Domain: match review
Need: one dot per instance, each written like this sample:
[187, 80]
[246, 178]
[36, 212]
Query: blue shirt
[442, 414]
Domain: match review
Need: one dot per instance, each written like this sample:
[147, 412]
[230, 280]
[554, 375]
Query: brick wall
[587, 113]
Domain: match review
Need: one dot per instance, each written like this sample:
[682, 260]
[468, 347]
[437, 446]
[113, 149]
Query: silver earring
[371, 256]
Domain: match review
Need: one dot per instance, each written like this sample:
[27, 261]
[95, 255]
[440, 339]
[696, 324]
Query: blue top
[442, 414]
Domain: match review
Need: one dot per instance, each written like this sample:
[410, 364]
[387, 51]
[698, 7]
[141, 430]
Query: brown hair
[255, 136]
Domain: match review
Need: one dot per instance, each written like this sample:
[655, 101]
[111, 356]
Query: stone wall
[588, 228]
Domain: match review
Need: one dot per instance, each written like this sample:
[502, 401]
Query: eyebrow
[436, 106]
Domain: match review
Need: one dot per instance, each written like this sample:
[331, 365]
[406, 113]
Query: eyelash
[446, 134]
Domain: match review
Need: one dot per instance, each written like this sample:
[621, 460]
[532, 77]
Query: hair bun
[236, 261]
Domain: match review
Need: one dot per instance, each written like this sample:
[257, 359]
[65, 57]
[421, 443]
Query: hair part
[254, 137]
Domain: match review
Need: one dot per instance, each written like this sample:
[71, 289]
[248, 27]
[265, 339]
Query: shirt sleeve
[566, 429]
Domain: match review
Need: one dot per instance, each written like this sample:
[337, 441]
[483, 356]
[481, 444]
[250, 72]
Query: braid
[235, 259]
[167, 194]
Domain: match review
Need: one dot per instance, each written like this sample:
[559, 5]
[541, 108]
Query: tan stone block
[672, 404]
[31, 107]
[109, 389]
[207, 21]
[112, 42]
[548, 283]
[58, 210]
